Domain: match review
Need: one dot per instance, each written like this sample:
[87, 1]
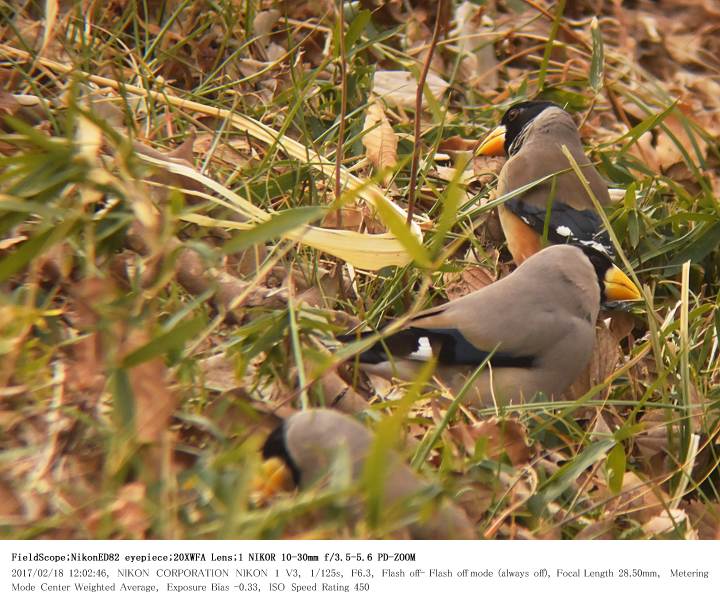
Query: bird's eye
[513, 113]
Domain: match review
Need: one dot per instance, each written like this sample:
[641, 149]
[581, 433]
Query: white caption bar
[267, 572]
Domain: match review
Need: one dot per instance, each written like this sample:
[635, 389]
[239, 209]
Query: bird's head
[615, 286]
[502, 139]
[301, 450]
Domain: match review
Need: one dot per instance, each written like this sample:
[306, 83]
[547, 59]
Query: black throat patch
[601, 263]
[275, 446]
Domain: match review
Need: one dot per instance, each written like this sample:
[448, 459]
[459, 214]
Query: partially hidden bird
[535, 327]
[310, 442]
[532, 135]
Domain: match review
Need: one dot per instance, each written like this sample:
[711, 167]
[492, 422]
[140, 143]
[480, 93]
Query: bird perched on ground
[532, 135]
[309, 443]
[537, 325]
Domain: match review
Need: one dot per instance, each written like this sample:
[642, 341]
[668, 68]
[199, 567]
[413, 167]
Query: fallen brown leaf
[668, 521]
[154, 402]
[599, 530]
[380, 140]
[486, 168]
[127, 511]
[10, 505]
[638, 499]
[351, 217]
[605, 357]
[503, 436]
[470, 279]
[705, 518]
[264, 21]
[475, 37]
[400, 87]
[457, 143]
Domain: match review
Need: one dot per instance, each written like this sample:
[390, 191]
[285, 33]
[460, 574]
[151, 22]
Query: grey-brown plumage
[539, 320]
[309, 442]
[533, 134]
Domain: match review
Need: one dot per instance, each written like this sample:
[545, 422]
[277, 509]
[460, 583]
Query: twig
[418, 110]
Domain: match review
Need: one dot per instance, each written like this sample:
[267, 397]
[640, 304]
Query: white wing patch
[424, 350]
[565, 231]
[597, 246]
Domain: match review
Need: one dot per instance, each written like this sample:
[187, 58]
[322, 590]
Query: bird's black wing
[448, 344]
[566, 225]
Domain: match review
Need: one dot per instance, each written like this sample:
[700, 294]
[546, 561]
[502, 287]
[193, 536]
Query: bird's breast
[523, 241]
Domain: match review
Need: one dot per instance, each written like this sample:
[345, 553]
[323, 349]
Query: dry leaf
[168, 178]
[503, 436]
[235, 152]
[639, 499]
[474, 33]
[668, 152]
[351, 217]
[705, 517]
[647, 152]
[9, 105]
[400, 87]
[85, 365]
[380, 140]
[127, 511]
[600, 530]
[686, 48]
[264, 22]
[709, 90]
[622, 324]
[219, 373]
[450, 173]
[340, 395]
[274, 53]
[6, 244]
[457, 143]
[10, 505]
[475, 499]
[605, 357]
[88, 138]
[154, 403]
[471, 279]
[669, 521]
[417, 41]
[51, 11]
[486, 168]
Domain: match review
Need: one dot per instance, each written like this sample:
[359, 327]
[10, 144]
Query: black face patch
[275, 446]
[601, 263]
[518, 116]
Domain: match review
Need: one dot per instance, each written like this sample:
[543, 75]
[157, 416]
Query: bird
[310, 441]
[532, 134]
[535, 327]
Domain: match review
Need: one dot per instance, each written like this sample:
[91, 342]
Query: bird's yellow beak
[272, 478]
[618, 286]
[494, 143]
